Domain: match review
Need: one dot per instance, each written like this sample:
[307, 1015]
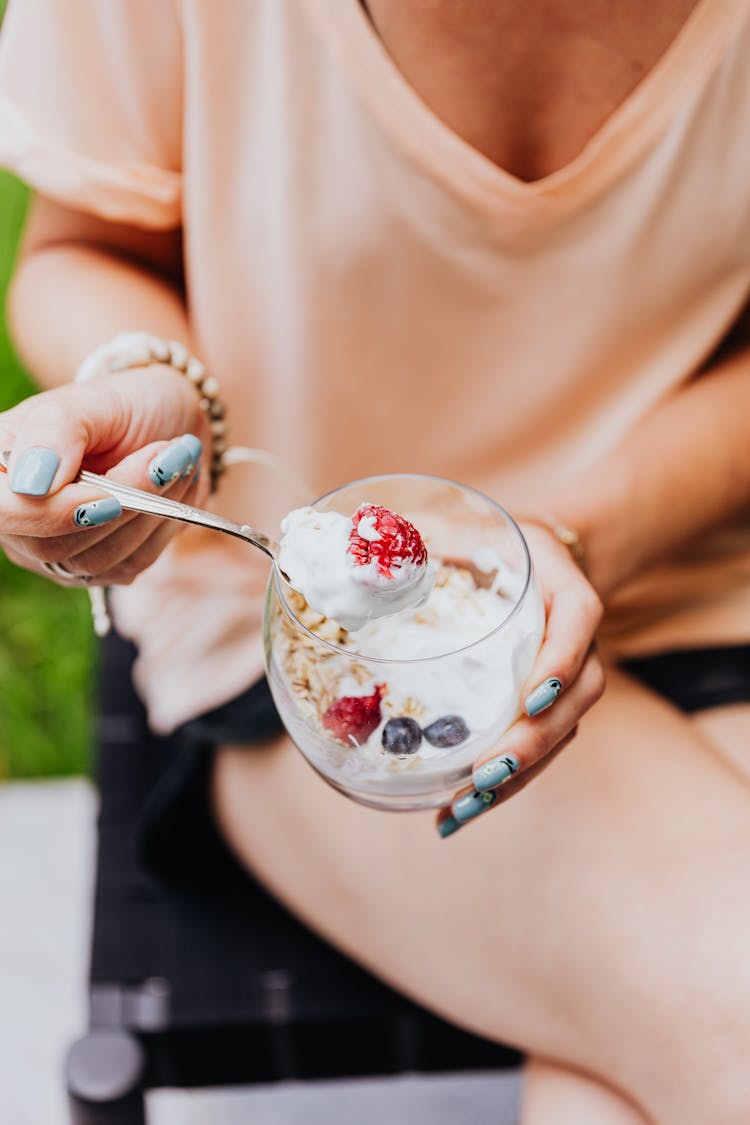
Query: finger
[51, 437]
[526, 743]
[11, 421]
[531, 739]
[116, 560]
[58, 428]
[573, 616]
[519, 781]
[36, 566]
[63, 514]
[176, 465]
[126, 569]
[102, 420]
[448, 825]
[91, 552]
[122, 557]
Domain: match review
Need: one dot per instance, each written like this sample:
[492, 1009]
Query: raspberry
[353, 718]
[398, 540]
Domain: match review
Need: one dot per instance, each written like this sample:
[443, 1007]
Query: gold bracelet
[141, 349]
[564, 534]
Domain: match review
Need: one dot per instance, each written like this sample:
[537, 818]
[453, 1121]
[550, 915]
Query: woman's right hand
[142, 427]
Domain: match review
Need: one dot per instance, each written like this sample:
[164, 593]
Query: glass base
[396, 803]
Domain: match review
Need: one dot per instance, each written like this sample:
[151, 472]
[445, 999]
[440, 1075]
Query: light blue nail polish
[194, 444]
[543, 696]
[34, 471]
[97, 512]
[471, 805]
[448, 826]
[495, 772]
[170, 464]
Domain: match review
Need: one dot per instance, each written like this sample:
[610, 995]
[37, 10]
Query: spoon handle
[135, 500]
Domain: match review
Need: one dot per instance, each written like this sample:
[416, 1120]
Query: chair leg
[105, 1074]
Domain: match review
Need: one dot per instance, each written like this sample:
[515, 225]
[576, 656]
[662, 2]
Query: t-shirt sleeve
[91, 105]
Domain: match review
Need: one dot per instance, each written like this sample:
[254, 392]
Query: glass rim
[387, 660]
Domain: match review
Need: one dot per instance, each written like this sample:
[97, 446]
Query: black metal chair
[213, 982]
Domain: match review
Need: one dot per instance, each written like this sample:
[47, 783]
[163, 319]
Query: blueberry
[448, 730]
[401, 736]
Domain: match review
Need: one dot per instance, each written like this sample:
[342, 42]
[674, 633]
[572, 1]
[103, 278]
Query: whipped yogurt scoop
[355, 568]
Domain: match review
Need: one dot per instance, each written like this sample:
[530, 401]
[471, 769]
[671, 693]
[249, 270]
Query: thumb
[102, 422]
[47, 448]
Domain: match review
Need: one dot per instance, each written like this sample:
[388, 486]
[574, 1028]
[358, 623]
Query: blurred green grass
[46, 640]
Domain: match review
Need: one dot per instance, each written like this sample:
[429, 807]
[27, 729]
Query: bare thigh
[599, 919]
[727, 729]
[559, 1095]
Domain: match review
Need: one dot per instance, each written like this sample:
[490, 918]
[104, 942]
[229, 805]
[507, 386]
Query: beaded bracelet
[140, 349]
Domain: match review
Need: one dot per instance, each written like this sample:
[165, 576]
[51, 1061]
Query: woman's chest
[527, 83]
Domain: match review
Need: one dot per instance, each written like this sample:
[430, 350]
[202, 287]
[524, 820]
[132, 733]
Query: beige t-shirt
[375, 295]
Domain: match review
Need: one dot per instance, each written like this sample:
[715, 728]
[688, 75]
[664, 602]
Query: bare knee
[553, 1093]
[704, 1066]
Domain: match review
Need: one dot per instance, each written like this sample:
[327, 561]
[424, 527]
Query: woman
[507, 243]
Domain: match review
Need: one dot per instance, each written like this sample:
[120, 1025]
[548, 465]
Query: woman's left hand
[566, 681]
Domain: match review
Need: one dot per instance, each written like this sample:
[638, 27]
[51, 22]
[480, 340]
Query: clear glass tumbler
[395, 714]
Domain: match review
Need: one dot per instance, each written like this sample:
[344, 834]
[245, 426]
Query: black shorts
[177, 839]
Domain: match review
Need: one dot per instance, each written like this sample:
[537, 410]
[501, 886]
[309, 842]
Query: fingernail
[495, 772]
[170, 464]
[448, 826]
[543, 696]
[34, 472]
[97, 512]
[471, 805]
[195, 445]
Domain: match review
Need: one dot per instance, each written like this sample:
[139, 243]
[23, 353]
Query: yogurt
[355, 569]
[397, 712]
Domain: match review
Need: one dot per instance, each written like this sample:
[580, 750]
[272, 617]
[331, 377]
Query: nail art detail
[170, 464]
[97, 512]
[448, 826]
[472, 804]
[34, 471]
[543, 696]
[495, 772]
[195, 445]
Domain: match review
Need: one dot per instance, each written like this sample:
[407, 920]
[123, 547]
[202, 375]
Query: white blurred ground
[46, 870]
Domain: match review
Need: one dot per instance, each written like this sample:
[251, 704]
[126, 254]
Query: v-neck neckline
[685, 64]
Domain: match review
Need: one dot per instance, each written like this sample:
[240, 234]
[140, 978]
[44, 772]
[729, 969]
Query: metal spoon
[135, 500]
